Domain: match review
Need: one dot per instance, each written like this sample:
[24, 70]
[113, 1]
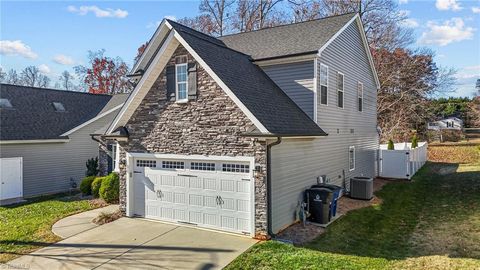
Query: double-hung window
[340, 87]
[181, 78]
[351, 158]
[323, 84]
[360, 96]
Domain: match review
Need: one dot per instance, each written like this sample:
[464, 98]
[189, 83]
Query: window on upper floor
[181, 78]
[340, 86]
[323, 84]
[360, 96]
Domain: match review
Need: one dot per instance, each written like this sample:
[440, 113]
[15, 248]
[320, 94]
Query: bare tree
[66, 80]
[305, 10]
[257, 14]
[218, 10]
[31, 76]
[202, 23]
[381, 20]
[3, 75]
[12, 77]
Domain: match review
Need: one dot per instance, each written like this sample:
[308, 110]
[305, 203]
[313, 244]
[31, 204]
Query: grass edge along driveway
[396, 234]
[26, 227]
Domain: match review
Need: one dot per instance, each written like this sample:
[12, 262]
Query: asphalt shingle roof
[263, 98]
[290, 39]
[33, 117]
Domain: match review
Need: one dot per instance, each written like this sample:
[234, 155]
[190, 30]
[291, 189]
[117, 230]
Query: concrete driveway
[138, 244]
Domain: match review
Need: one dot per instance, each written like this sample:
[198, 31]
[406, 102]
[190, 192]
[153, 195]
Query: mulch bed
[299, 235]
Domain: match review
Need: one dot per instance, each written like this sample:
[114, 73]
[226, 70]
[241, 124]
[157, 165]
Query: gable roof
[33, 116]
[287, 40]
[257, 92]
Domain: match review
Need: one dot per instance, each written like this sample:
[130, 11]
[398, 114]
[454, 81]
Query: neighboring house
[226, 133]
[45, 137]
[452, 123]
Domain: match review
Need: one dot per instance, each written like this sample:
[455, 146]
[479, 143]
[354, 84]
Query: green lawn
[27, 226]
[432, 222]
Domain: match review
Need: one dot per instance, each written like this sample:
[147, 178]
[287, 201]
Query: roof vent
[5, 103]
[58, 106]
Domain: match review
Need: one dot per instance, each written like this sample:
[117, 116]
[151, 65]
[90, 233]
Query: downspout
[269, 187]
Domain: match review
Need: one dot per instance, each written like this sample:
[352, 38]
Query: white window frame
[360, 96]
[326, 101]
[354, 158]
[177, 82]
[115, 157]
[343, 89]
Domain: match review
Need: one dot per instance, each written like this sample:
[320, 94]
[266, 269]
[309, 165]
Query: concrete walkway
[81, 222]
[129, 243]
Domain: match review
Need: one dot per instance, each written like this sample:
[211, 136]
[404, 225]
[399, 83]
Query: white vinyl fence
[403, 162]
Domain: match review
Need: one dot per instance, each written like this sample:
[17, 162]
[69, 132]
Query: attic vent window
[58, 107]
[5, 103]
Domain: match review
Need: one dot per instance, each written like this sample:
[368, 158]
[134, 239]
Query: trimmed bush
[110, 188]
[96, 186]
[414, 141]
[390, 146]
[86, 185]
[92, 167]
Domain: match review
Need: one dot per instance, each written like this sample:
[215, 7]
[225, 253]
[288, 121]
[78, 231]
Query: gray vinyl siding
[296, 163]
[296, 80]
[48, 167]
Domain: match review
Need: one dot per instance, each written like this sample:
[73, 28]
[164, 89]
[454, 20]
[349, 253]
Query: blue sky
[56, 35]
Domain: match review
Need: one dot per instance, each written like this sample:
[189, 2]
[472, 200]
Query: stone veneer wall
[209, 125]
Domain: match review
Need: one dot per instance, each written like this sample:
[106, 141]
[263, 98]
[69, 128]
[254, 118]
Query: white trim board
[34, 141]
[92, 120]
[357, 19]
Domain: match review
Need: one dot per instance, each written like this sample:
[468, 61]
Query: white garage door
[11, 182]
[206, 193]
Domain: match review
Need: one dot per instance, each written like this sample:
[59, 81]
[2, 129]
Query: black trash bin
[336, 194]
[318, 204]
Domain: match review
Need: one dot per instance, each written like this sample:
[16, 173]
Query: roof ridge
[57, 90]
[289, 24]
[223, 45]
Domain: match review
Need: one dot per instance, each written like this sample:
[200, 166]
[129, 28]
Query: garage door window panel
[234, 167]
[146, 163]
[173, 165]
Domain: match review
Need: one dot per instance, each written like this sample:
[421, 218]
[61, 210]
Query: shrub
[110, 188]
[96, 186]
[86, 185]
[414, 141]
[390, 146]
[92, 167]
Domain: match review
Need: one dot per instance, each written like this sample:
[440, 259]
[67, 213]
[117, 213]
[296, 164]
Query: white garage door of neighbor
[206, 193]
[11, 178]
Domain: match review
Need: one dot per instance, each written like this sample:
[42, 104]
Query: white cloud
[448, 5]
[453, 30]
[476, 9]
[16, 47]
[63, 60]
[99, 13]
[44, 69]
[403, 2]
[410, 23]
